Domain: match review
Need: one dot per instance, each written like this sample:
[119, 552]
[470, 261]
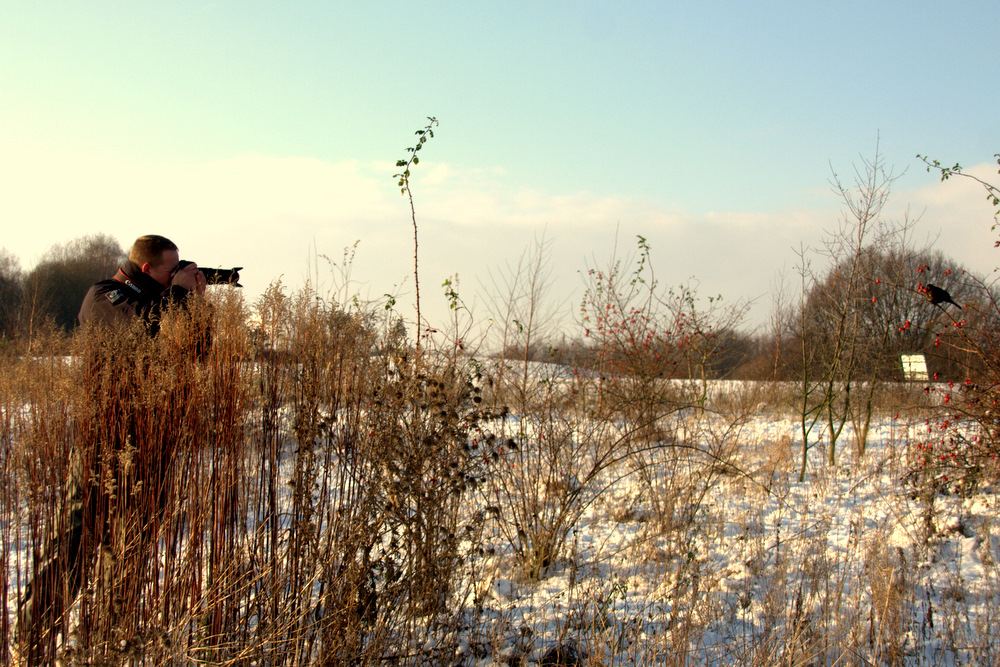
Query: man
[150, 280]
[108, 504]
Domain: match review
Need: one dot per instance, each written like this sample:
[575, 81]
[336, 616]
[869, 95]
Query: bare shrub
[552, 476]
[287, 492]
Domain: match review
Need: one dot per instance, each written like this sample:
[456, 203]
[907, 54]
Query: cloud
[956, 218]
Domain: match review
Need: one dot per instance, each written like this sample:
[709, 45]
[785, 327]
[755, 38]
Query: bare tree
[838, 341]
[55, 287]
[522, 314]
[11, 293]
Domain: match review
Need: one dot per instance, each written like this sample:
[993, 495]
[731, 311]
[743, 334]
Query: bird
[938, 295]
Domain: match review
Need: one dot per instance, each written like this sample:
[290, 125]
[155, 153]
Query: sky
[265, 135]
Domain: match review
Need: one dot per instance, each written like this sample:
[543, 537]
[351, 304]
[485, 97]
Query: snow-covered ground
[848, 567]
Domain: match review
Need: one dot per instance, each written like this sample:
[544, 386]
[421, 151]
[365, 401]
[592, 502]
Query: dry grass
[299, 492]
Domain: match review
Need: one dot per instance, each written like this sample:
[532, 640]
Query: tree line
[48, 296]
[853, 319]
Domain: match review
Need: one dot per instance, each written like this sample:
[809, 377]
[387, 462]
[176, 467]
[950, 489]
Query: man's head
[156, 256]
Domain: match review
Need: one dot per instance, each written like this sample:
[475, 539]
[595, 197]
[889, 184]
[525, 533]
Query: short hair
[150, 249]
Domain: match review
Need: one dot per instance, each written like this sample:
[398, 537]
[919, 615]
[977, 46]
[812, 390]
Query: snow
[842, 553]
[851, 565]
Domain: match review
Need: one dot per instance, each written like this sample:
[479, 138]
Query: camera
[217, 276]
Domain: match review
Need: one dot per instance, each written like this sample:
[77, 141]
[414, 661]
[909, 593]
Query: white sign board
[915, 367]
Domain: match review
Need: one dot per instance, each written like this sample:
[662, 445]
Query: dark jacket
[130, 294]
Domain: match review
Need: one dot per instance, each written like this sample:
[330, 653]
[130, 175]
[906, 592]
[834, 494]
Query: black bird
[938, 295]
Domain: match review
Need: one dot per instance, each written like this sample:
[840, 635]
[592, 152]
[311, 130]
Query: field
[300, 492]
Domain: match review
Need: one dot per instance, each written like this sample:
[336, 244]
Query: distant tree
[888, 311]
[735, 349]
[55, 287]
[11, 292]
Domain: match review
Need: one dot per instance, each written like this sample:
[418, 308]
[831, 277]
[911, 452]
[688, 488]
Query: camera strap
[125, 280]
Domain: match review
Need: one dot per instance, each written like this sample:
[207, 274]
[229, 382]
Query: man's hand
[190, 278]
